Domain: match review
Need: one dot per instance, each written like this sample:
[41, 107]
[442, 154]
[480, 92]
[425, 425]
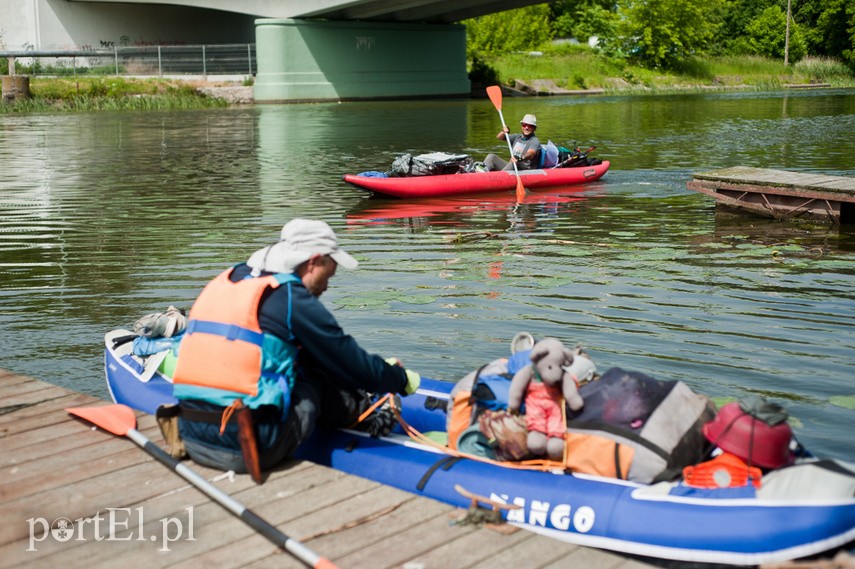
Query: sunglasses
[526, 125]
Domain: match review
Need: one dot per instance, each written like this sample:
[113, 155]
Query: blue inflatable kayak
[799, 511]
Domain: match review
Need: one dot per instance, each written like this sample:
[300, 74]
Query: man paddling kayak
[525, 147]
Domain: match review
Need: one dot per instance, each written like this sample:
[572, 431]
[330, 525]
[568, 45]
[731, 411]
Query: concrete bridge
[424, 11]
[305, 49]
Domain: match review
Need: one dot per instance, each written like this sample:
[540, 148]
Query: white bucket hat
[529, 119]
[300, 239]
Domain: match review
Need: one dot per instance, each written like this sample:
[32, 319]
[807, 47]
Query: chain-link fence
[138, 61]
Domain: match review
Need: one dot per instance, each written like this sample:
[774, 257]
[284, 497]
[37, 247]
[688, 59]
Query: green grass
[110, 94]
[581, 67]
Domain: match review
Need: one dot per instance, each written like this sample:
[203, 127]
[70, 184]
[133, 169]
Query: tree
[660, 33]
[513, 30]
[849, 54]
[826, 25]
[765, 35]
[582, 19]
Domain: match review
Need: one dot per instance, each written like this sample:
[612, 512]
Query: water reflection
[106, 217]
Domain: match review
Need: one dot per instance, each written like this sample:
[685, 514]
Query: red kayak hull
[476, 182]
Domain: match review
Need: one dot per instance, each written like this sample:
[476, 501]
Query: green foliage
[583, 19]
[480, 73]
[766, 36]
[594, 20]
[825, 25]
[523, 29]
[562, 26]
[113, 93]
[694, 67]
[591, 69]
[659, 33]
[565, 48]
[849, 54]
[823, 69]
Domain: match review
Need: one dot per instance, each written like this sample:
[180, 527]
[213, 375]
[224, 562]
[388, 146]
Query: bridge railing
[138, 61]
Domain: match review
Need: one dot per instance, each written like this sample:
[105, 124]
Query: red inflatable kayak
[476, 182]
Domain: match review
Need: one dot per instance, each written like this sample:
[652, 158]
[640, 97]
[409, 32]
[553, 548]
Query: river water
[105, 217]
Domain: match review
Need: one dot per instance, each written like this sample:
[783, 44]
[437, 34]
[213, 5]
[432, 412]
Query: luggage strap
[444, 463]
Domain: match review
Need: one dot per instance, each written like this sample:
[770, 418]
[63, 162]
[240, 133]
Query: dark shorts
[317, 402]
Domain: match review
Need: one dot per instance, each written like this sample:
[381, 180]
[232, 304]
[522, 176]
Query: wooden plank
[409, 545]
[43, 413]
[122, 485]
[213, 525]
[57, 466]
[537, 551]
[14, 402]
[10, 378]
[840, 186]
[410, 512]
[585, 557]
[331, 520]
[470, 548]
[277, 501]
[12, 389]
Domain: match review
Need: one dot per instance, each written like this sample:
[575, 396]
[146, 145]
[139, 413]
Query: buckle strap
[229, 331]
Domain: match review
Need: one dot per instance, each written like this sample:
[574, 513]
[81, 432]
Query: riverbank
[532, 74]
[53, 94]
[572, 69]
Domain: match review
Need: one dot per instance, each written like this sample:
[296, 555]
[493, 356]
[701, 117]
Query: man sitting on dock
[259, 342]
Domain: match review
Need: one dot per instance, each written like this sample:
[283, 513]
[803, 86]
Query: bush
[821, 69]
[480, 73]
[766, 36]
[566, 48]
[523, 29]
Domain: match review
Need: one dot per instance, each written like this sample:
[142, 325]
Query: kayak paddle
[120, 420]
[495, 94]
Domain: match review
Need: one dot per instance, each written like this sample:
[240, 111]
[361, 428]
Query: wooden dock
[780, 194]
[124, 509]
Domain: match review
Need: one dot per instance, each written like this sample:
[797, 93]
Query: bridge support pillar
[313, 60]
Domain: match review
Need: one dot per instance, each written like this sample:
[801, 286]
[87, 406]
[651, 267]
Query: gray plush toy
[544, 385]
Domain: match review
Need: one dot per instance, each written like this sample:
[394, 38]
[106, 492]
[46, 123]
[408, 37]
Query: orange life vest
[222, 345]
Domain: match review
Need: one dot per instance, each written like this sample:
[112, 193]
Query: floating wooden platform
[54, 466]
[780, 194]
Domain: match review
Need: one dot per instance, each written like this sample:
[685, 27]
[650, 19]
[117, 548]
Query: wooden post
[15, 87]
[11, 61]
[787, 37]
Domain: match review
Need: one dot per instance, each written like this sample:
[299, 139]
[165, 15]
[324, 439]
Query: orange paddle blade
[495, 94]
[520, 189]
[116, 419]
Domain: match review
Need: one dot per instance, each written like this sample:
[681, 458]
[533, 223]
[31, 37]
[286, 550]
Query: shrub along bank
[110, 93]
[575, 67]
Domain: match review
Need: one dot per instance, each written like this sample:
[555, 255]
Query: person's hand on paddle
[413, 378]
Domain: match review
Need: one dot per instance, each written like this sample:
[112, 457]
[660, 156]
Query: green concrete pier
[313, 60]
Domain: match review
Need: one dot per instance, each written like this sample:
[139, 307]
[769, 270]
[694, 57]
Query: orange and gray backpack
[485, 389]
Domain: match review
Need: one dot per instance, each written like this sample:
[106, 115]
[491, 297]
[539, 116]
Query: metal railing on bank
[137, 61]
